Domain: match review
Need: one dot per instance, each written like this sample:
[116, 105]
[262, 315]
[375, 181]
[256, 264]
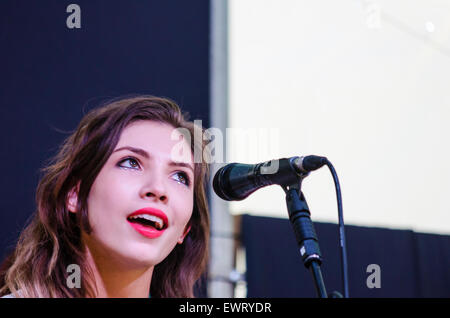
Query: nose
[154, 189]
[155, 194]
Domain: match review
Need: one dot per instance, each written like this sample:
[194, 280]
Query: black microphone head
[235, 181]
[219, 183]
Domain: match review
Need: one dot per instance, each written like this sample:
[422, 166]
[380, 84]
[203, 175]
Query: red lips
[148, 231]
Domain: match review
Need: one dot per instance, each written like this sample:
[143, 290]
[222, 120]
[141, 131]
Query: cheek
[183, 205]
[107, 195]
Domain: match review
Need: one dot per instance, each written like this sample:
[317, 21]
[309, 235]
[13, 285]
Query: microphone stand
[305, 234]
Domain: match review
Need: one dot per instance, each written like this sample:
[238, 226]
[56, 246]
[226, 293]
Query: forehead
[157, 138]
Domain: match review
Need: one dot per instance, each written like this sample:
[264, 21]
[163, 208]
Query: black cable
[341, 230]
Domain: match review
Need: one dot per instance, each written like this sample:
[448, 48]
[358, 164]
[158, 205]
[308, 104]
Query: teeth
[158, 222]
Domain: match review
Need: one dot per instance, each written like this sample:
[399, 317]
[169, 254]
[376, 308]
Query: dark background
[51, 75]
[411, 264]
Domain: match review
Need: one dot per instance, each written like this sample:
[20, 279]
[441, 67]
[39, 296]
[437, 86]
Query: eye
[130, 163]
[182, 177]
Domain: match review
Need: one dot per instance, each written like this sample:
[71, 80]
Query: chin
[140, 255]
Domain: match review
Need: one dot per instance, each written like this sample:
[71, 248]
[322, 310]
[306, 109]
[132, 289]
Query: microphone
[236, 181]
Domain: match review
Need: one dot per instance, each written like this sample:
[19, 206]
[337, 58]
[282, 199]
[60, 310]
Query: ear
[72, 199]
[186, 232]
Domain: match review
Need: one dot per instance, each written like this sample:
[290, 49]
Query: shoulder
[12, 295]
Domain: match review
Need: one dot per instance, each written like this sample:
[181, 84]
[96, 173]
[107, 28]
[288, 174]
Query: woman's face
[140, 186]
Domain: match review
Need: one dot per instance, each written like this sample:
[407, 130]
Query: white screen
[364, 83]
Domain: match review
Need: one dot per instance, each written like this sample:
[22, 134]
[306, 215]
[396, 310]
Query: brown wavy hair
[52, 240]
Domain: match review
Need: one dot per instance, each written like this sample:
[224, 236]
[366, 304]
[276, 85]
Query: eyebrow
[146, 155]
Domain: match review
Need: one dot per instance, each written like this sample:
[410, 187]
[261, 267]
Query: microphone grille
[218, 185]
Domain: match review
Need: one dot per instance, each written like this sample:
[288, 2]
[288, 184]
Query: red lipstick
[145, 230]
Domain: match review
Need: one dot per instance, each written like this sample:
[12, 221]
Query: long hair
[52, 240]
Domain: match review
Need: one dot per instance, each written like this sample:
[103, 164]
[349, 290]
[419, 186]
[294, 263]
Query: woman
[122, 203]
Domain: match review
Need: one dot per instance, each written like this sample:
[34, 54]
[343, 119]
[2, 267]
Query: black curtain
[411, 264]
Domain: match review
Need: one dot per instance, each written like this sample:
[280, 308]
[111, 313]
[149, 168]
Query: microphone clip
[305, 234]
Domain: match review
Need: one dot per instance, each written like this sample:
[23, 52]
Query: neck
[115, 280]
